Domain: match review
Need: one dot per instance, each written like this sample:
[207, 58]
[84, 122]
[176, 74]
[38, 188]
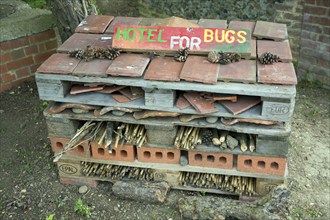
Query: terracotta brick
[77, 89]
[266, 165]
[212, 23]
[43, 56]
[51, 44]
[78, 41]
[270, 30]
[199, 103]
[78, 181]
[96, 67]
[23, 72]
[281, 48]
[122, 21]
[208, 159]
[243, 71]
[59, 63]
[7, 77]
[195, 65]
[125, 152]
[94, 24]
[82, 150]
[158, 155]
[182, 102]
[5, 57]
[20, 63]
[242, 104]
[277, 73]
[164, 69]
[120, 98]
[104, 41]
[43, 36]
[150, 21]
[31, 50]
[239, 25]
[17, 54]
[132, 65]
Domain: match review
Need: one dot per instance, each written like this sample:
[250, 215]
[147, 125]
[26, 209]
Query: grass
[82, 209]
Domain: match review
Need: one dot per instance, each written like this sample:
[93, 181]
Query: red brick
[27, 61]
[311, 2]
[31, 50]
[34, 68]
[291, 16]
[23, 41]
[208, 159]
[17, 54]
[266, 165]
[43, 36]
[283, 7]
[325, 3]
[41, 47]
[3, 68]
[7, 77]
[121, 153]
[317, 10]
[158, 155]
[21, 73]
[5, 46]
[5, 57]
[6, 86]
[81, 151]
[51, 44]
[78, 181]
[43, 56]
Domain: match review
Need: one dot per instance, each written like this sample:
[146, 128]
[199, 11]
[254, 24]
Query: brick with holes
[124, 152]
[82, 150]
[211, 159]
[266, 165]
[158, 155]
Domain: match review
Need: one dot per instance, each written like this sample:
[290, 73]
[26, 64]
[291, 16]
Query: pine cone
[268, 58]
[182, 55]
[100, 53]
[207, 137]
[112, 53]
[213, 57]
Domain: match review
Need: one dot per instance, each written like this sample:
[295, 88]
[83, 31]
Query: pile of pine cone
[223, 57]
[91, 53]
[268, 58]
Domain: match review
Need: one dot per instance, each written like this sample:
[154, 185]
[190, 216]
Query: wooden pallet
[69, 168]
[277, 101]
[281, 129]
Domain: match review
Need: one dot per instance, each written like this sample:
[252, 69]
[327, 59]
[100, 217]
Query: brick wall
[314, 56]
[21, 57]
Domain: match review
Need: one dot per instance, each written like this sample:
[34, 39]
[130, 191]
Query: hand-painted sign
[198, 40]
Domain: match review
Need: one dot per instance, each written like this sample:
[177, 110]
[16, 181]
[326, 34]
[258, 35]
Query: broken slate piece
[111, 89]
[243, 103]
[128, 93]
[182, 102]
[59, 107]
[120, 98]
[199, 103]
[77, 89]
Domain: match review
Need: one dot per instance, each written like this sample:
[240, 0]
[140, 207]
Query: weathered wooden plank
[278, 109]
[274, 91]
[54, 88]
[274, 131]
[178, 167]
[198, 40]
[69, 168]
[159, 98]
[99, 99]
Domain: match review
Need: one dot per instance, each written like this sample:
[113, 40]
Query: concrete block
[61, 127]
[162, 135]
